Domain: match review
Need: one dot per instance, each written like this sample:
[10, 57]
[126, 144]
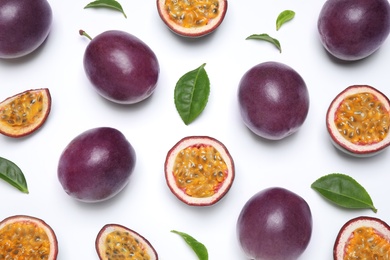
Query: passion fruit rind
[199, 141]
[201, 27]
[49, 252]
[338, 138]
[104, 247]
[27, 114]
[381, 228]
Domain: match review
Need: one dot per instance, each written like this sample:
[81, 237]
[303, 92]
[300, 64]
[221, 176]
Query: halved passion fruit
[118, 242]
[358, 120]
[26, 237]
[199, 170]
[24, 113]
[363, 238]
[192, 18]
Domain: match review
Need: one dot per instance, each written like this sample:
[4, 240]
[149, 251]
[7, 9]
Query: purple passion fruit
[273, 100]
[194, 18]
[358, 121]
[274, 224]
[121, 67]
[24, 26]
[363, 238]
[199, 170]
[118, 242]
[24, 113]
[26, 237]
[96, 165]
[353, 29]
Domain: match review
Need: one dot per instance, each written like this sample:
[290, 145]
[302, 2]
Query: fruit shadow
[194, 41]
[351, 63]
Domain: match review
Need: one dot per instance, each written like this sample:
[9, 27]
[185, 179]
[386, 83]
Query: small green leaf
[199, 249]
[106, 4]
[344, 191]
[12, 174]
[284, 17]
[191, 94]
[265, 37]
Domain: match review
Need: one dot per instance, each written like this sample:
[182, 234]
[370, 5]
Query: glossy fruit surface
[26, 237]
[121, 67]
[24, 26]
[274, 224]
[96, 165]
[119, 242]
[353, 29]
[199, 170]
[193, 18]
[273, 100]
[24, 113]
[358, 121]
[363, 238]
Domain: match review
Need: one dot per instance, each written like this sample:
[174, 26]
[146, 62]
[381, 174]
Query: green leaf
[106, 4]
[265, 37]
[191, 94]
[199, 249]
[12, 174]
[344, 191]
[284, 17]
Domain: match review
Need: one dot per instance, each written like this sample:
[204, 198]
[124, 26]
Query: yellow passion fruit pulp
[199, 170]
[359, 120]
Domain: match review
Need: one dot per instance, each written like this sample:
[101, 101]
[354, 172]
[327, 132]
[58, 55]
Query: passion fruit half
[199, 170]
[358, 120]
[23, 113]
[26, 237]
[363, 238]
[192, 18]
[119, 242]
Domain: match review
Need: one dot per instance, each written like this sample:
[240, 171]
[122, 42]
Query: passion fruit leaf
[265, 37]
[284, 17]
[191, 94]
[106, 4]
[344, 191]
[12, 174]
[199, 249]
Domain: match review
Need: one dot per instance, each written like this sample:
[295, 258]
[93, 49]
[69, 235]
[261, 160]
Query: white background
[146, 205]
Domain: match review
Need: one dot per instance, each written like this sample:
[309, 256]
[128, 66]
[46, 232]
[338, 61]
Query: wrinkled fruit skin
[273, 100]
[353, 29]
[362, 238]
[18, 229]
[121, 67]
[274, 224]
[24, 26]
[114, 240]
[96, 165]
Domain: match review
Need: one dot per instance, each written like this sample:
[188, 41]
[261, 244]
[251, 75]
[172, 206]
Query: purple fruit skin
[121, 67]
[24, 26]
[353, 29]
[96, 165]
[273, 100]
[275, 224]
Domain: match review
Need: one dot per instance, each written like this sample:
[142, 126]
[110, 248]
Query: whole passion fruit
[273, 100]
[121, 67]
[118, 242]
[274, 224]
[358, 121]
[26, 237]
[24, 113]
[193, 18]
[24, 26]
[96, 165]
[199, 170]
[363, 238]
[353, 29]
